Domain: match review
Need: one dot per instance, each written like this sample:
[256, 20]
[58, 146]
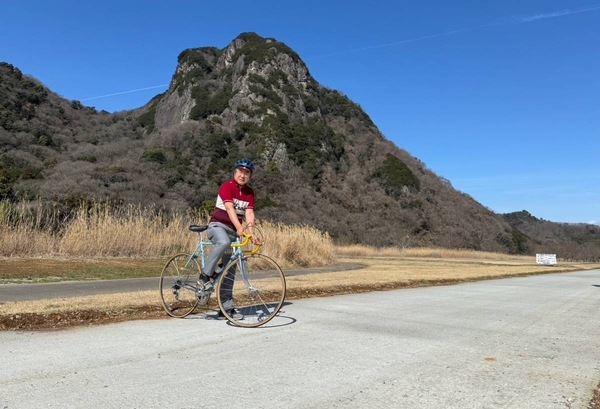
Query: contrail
[410, 40]
[126, 92]
[562, 13]
[512, 20]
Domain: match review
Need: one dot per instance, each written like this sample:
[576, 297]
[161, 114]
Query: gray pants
[221, 236]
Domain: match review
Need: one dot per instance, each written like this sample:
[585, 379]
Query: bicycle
[251, 282]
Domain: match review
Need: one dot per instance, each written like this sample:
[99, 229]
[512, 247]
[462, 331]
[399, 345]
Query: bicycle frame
[237, 245]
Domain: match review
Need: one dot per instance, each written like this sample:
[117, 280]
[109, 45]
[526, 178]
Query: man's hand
[256, 240]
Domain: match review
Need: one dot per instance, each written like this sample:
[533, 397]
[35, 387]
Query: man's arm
[234, 217]
[250, 225]
[250, 220]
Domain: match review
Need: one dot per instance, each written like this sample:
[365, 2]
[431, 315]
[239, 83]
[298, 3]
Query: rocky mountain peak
[236, 83]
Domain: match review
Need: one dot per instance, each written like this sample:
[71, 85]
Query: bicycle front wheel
[251, 290]
[178, 285]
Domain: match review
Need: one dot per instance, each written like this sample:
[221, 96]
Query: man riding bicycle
[235, 204]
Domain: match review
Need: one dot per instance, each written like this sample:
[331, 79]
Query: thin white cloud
[513, 20]
[555, 14]
[125, 92]
[409, 40]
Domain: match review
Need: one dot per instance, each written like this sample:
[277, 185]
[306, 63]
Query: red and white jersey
[242, 198]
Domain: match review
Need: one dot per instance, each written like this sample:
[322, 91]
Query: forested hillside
[321, 161]
[570, 241]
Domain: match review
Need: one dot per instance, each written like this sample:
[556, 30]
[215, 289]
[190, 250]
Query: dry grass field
[381, 269]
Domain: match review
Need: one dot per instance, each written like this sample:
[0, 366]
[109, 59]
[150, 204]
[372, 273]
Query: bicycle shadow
[281, 320]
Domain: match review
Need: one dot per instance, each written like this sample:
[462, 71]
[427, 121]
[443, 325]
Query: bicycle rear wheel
[178, 285]
[255, 287]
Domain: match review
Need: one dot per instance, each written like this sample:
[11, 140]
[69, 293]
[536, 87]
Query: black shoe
[233, 313]
[205, 283]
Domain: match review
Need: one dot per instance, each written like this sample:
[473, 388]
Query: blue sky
[501, 98]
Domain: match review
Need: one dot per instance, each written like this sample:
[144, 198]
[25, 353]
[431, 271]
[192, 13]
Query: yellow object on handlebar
[253, 242]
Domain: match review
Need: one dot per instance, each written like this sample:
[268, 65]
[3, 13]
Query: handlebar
[246, 240]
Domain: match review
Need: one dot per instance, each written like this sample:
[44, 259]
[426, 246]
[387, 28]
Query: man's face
[242, 175]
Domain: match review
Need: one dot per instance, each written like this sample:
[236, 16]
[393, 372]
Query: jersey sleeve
[226, 192]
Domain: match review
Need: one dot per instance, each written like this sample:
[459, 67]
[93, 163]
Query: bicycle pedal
[201, 292]
[203, 300]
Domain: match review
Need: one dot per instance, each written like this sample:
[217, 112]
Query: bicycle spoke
[178, 285]
[255, 288]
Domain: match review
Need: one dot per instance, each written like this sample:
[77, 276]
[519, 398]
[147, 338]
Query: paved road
[26, 292]
[523, 343]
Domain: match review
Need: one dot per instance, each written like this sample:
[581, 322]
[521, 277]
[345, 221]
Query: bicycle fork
[244, 273]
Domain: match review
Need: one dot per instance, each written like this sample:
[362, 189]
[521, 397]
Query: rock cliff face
[233, 72]
[174, 109]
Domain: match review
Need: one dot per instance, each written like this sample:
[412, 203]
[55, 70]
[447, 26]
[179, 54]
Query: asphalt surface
[523, 343]
[27, 292]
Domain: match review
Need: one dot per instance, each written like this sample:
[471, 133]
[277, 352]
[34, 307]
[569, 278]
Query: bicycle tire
[257, 297]
[178, 285]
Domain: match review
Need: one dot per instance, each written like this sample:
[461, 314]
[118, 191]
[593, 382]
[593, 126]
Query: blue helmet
[245, 163]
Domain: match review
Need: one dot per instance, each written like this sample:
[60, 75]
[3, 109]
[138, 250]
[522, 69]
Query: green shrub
[266, 91]
[263, 203]
[519, 241]
[88, 158]
[394, 176]
[115, 169]
[154, 155]
[147, 119]
[260, 49]
[201, 67]
[334, 103]
[313, 145]
[50, 162]
[175, 170]
[45, 140]
[209, 104]
[77, 105]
